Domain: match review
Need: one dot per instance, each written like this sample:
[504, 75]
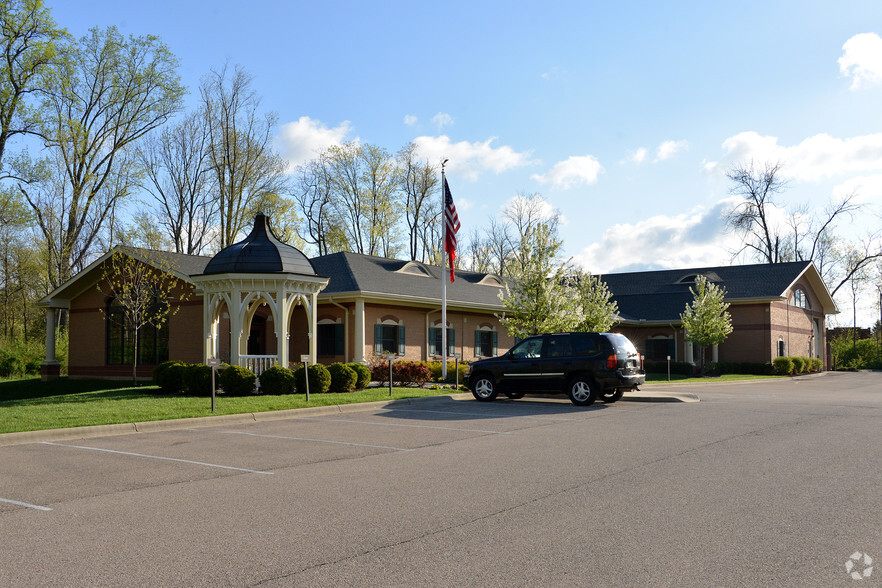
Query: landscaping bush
[783, 365]
[799, 364]
[237, 381]
[277, 380]
[404, 373]
[435, 370]
[343, 377]
[169, 376]
[363, 375]
[319, 379]
[683, 368]
[815, 364]
[848, 355]
[747, 368]
[9, 364]
[197, 379]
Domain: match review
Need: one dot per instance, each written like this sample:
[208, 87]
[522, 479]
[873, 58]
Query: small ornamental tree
[539, 298]
[599, 311]
[706, 320]
[142, 292]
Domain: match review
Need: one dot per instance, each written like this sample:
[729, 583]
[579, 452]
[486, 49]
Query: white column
[313, 327]
[50, 337]
[235, 326]
[358, 352]
[689, 357]
[208, 340]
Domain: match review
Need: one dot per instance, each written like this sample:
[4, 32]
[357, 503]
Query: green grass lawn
[32, 405]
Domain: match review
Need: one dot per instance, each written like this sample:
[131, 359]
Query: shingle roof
[260, 252]
[353, 272]
[660, 295]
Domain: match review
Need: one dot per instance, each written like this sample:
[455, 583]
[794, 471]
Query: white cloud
[668, 149]
[464, 204]
[865, 188]
[303, 139]
[471, 159]
[410, 119]
[442, 119]
[693, 239]
[577, 170]
[815, 158]
[638, 156]
[862, 60]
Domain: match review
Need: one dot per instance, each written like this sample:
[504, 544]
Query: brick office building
[261, 301]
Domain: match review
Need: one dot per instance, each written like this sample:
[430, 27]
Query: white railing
[258, 363]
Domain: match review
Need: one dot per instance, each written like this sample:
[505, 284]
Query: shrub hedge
[237, 381]
[277, 380]
[197, 379]
[343, 377]
[319, 379]
[363, 375]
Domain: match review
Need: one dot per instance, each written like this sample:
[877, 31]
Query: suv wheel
[484, 388]
[612, 395]
[582, 391]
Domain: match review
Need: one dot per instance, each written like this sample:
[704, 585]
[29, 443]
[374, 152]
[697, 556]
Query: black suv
[585, 366]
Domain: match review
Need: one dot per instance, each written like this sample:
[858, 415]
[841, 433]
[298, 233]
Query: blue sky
[623, 115]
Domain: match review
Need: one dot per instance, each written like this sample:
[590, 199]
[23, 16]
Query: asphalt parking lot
[757, 484]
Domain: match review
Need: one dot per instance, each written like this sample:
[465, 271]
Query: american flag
[451, 226]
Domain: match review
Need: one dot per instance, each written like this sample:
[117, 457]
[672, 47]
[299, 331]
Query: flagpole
[443, 278]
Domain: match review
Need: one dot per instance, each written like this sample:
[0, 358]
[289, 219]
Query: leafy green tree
[599, 312]
[107, 94]
[29, 41]
[539, 298]
[143, 289]
[706, 320]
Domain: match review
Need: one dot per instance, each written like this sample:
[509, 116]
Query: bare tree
[240, 150]
[313, 194]
[751, 217]
[418, 182]
[178, 177]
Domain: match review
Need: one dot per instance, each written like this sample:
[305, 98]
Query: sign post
[213, 363]
[456, 357]
[304, 359]
[669, 368]
[391, 358]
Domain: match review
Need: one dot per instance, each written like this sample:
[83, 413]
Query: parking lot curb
[645, 396]
[93, 431]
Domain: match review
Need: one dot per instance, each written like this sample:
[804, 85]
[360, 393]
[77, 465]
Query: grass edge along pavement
[84, 421]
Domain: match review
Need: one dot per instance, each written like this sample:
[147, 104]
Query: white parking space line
[403, 425]
[25, 504]
[309, 439]
[485, 414]
[202, 463]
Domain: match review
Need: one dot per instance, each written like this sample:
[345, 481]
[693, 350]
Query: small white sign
[390, 357]
[304, 359]
[457, 355]
[212, 362]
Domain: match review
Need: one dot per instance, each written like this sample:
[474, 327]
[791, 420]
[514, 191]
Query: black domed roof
[260, 252]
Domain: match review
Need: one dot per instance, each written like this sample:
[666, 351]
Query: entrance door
[257, 336]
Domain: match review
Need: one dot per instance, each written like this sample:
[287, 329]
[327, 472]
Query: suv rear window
[585, 344]
[621, 344]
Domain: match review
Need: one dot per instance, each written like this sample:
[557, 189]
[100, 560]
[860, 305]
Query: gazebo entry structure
[259, 270]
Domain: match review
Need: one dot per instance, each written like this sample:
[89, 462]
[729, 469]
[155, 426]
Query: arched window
[120, 339]
[801, 299]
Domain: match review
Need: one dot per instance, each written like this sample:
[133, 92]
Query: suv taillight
[612, 362]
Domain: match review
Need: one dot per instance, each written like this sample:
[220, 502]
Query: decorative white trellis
[242, 294]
